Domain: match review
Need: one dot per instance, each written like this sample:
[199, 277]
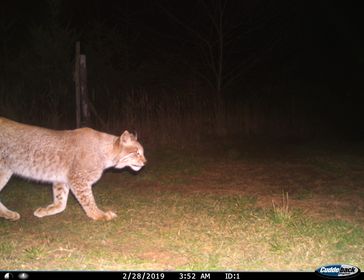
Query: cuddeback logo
[338, 271]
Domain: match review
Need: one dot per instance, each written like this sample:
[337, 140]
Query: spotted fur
[70, 159]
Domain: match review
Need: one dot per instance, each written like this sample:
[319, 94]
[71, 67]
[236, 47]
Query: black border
[168, 275]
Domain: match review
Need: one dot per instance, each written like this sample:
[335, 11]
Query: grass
[193, 211]
[282, 213]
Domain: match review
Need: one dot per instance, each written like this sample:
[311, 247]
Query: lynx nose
[144, 160]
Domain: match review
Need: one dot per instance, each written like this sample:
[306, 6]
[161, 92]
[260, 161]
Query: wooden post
[76, 79]
[83, 116]
[84, 96]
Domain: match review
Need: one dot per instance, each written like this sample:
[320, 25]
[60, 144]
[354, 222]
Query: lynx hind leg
[83, 193]
[60, 195]
[5, 212]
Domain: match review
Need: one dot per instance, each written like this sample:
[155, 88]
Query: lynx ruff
[70, 159]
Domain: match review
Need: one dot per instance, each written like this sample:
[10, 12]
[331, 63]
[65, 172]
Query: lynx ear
[127, 137]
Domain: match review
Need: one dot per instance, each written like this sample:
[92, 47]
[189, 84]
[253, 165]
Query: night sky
[295, 60]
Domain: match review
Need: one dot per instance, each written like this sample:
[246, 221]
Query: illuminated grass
[282, 212]
[195, 224]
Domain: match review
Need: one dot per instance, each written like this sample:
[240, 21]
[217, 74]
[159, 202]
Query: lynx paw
[10, 215]
[40, 212]
[109, 215]
[105, 216]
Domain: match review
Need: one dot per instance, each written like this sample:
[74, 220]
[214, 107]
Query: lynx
[70, 159]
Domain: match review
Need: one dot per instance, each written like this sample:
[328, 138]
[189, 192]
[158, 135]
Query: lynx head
[130, 152]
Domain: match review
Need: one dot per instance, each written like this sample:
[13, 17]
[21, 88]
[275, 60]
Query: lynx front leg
[5, 212]
[60, 195]
[83, 193]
